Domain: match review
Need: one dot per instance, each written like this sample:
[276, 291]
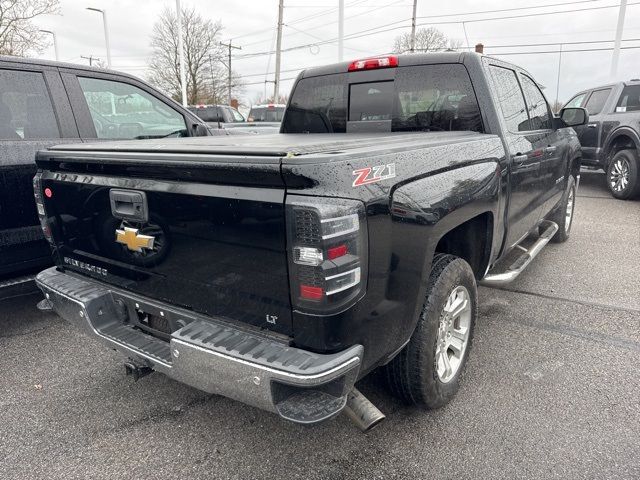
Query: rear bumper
[210, 354]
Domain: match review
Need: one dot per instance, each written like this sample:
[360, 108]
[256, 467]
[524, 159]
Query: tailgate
[208, 236]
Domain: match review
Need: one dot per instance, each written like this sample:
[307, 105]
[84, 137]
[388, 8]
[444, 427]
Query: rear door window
[629, 99]
[539, 114]
[510, 98]
[122, 110]
[26, 111]
[418, 99]
[596, 101]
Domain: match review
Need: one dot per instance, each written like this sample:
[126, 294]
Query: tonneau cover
[275, 145]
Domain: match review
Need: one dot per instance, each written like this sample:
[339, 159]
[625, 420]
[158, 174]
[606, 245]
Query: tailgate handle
[129, 205]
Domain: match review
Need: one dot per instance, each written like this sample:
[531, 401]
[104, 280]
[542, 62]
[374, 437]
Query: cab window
[121, 110]
[596, 101]
[539, 116]
[418, 99]
[25, 107]
[576, 101]
[510, 98]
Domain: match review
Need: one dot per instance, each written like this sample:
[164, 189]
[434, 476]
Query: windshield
[416, 99]
[266, 114]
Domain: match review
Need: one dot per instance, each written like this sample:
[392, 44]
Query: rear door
[526, 148]
[34, 114]
[591, 133]
[552, 162]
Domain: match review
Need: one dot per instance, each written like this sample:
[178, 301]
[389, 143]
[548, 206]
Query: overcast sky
[252, 24]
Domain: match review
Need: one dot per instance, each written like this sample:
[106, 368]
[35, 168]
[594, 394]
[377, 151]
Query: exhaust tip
[364, 414]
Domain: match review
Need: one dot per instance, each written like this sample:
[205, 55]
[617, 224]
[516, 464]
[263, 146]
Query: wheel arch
[623, 138]
[471, 240]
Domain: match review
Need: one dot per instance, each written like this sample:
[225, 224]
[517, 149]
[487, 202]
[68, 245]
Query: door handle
[592, 125]
[519, 158]
[551, 149]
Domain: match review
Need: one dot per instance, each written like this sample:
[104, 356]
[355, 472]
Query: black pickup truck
[279, 269]
[611, 139]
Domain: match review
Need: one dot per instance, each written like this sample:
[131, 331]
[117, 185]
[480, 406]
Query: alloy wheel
[569, 212]
[619, 175]
[453, 333]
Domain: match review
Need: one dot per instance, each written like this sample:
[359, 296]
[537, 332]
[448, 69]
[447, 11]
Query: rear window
[629, 99]
[208, 114]
[266, 114]
[418, 99]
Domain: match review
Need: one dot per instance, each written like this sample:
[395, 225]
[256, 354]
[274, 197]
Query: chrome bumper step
[210, 354]
[497, 279]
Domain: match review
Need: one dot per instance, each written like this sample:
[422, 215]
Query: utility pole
[229, 46]
[340, 30]
[90, 58]
[412, 46]
[183, 72]
[276, 86]
[616, 47]
[214, 97]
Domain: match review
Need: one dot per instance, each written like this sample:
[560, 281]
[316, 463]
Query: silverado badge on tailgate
[134, 241]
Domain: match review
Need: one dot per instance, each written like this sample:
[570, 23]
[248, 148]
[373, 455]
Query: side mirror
[574, 117]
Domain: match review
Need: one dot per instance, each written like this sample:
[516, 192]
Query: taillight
[327, 245]
[373, 63]
[42, 212]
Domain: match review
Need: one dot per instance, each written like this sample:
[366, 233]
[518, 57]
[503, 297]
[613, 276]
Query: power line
[376, 30]
[298, 20]
[564, 51]
[500, 10]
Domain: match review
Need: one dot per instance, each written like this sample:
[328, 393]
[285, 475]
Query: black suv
[45, 103]
[611, 139]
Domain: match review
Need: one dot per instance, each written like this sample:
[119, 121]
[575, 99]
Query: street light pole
[183, 72]
[616, 47]
[55, 42]
[412, 46]
[106, 32]
[340, 30]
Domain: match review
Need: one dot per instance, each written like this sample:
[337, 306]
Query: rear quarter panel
[440, 185]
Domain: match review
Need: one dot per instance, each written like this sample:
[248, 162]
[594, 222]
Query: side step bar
[523, 261]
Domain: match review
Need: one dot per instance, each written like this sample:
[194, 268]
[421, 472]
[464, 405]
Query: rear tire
[419, 374]
[623, 178]
[563, 215]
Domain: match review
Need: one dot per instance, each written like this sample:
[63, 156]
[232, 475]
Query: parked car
[224, 117]
[271, 114]
[44, 103]
[281, 269]
[611, 139]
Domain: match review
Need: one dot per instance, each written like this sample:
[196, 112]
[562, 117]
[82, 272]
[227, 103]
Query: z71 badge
[367, 175]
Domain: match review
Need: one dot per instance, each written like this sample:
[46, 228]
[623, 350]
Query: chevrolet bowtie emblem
[133, 241]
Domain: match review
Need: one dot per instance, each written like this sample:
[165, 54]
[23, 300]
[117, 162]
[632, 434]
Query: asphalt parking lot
[552, 390]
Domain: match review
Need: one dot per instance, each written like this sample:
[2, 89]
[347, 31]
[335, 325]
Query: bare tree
[206, 74]
[260, 99]
[18, 34]
[427, 40]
